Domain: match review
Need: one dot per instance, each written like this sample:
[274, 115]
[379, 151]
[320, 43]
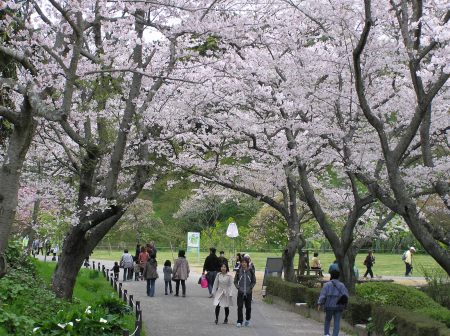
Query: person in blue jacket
[330, 294]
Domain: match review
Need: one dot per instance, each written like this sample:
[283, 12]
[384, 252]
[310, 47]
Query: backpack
[404, 256]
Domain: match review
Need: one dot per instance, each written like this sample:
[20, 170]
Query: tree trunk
[289, 254]
[10, 172]
[347, 275]
[78, 244]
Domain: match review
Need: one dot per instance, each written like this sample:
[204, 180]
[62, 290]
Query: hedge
[409, 298]
[406, 322]
[388, 293]
[288, 291]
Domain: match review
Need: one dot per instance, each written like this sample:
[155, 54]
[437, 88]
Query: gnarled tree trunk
[77, 245]
[10, 172]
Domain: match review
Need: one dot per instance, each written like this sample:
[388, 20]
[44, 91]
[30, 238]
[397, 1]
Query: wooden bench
[308, 271]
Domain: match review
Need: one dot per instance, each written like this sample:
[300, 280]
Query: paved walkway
[166, 315]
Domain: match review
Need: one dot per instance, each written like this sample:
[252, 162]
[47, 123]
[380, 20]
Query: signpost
[193, 242]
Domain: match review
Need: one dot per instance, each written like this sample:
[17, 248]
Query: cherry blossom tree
[100, 66]
[410, 84]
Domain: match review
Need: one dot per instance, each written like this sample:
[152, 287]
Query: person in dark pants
[369, 262]
[180, 273]
[211, 265]
[223, 260]
[244, 281]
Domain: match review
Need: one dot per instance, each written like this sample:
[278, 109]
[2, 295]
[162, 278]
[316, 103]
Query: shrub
[88, 321]
[113, 304]
[308, 280]
[312, 296]
[16, 258]
[358, 310]
[439, 293]
[386, 293]
[405, 322]
[289, 291]
[439, 314]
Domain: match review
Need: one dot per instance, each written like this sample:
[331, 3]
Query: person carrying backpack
[407, 257]
[333, 298]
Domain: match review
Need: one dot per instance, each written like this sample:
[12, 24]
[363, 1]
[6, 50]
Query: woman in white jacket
[222, 291]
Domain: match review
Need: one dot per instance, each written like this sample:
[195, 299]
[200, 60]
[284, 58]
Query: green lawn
[386, 264]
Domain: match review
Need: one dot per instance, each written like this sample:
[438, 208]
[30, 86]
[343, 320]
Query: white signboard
[193, 239]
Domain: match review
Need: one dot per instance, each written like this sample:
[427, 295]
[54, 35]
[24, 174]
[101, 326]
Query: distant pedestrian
[315, 264]
[143, 258]
[369, 262]
[167, 270]
[222, 291]
[137, 271]
[180, 272]
[136, 253]
[116, 270]
[408, 259]
[331, 299]
[126, 262]
[223, 260]
[250, 264]
[237, 264]
[244, 281]
[211, 266]
[40, 247]
[151, 274]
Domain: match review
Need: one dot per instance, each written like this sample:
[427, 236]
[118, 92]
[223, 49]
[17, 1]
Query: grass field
[386, 264]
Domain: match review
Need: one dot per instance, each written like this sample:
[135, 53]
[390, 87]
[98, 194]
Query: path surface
[166, 315]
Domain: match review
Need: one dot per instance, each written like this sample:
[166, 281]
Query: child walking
[222, 291]
[116, 270]
[244, 281]
[137, 271]
[167, 270]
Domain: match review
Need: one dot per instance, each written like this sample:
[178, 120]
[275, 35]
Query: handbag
[343, 299]
[203, 282]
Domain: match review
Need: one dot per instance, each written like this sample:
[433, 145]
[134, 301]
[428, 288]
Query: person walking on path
[151, 274]
[116, 270]
[369, 262]
[223, 260]
[330, 299]
[180, 273]
[238, 262]
[211, 266]
[167, 270]
[222, 291]
[143, 258]
[408, 259]
[127, 263]
[244, 281]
